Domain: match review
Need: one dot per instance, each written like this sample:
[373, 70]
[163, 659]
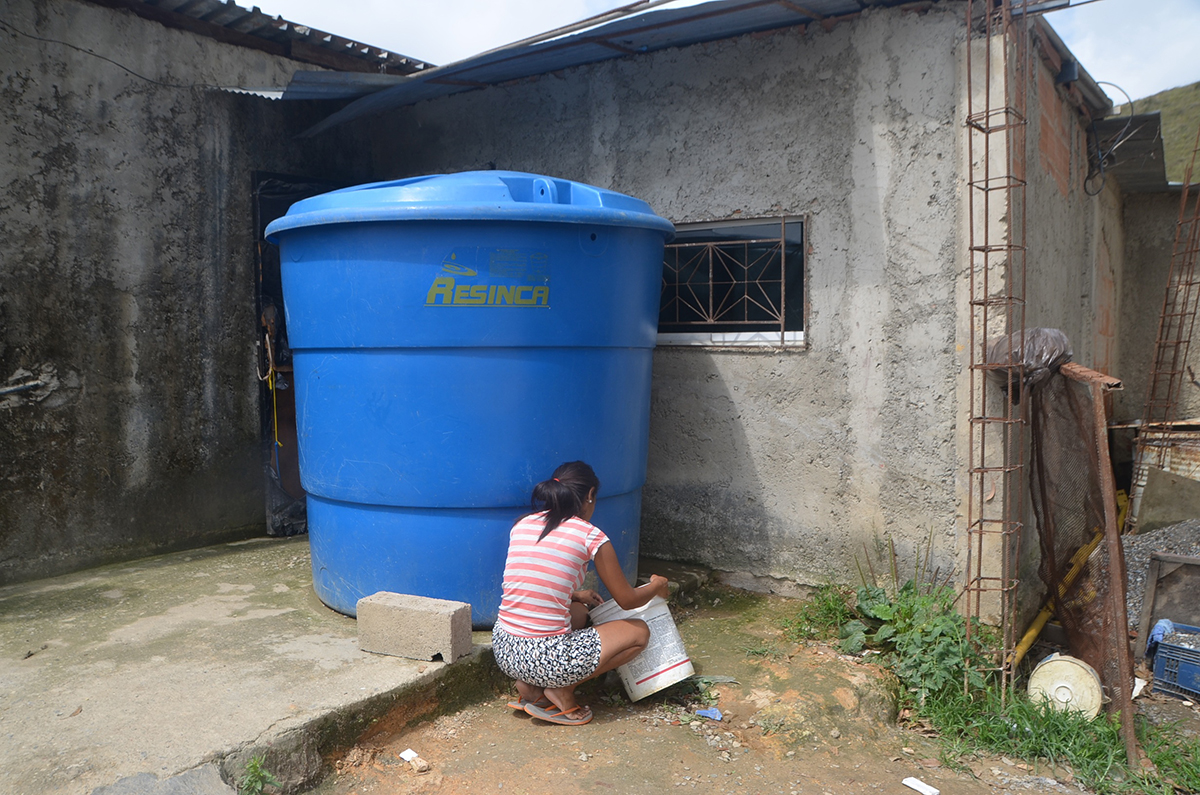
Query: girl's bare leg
[579, 617]
[620, 642]
[528, 692]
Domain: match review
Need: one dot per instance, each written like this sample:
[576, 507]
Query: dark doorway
[286, 507]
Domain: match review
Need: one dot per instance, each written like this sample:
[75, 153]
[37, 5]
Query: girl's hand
[589, 598]
[659, 585]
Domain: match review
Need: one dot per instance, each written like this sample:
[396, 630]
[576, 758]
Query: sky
[1143, 46]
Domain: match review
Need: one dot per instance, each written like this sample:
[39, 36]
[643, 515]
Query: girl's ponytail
[562, 496]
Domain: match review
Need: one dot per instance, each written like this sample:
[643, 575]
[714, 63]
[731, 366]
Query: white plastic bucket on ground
[1067, 683]
[664, 661]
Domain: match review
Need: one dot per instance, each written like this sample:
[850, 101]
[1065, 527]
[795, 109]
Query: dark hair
[562, 496]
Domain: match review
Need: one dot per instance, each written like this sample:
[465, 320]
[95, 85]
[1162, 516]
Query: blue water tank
[455, 338]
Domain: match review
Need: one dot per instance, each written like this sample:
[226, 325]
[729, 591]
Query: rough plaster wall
[1150, 223]
[783, 464]
[126, 280]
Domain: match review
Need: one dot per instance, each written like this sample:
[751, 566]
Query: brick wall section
[1058, 136]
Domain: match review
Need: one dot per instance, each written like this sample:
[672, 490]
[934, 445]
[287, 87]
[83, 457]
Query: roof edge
[1059, 53]
[294, 41]
[465, 75]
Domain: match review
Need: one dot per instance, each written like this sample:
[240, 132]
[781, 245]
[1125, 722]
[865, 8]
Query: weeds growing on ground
[922, 637]
[256, 778]
[1176, 758]
[916, 629]
[1091, 749]
[821, 615]
[764, 651]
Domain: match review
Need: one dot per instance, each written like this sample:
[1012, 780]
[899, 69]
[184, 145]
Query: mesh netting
[1069, 506]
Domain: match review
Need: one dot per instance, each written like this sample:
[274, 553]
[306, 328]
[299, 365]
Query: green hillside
[1180, 108]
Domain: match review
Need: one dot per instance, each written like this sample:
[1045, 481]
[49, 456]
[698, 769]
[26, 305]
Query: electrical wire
[8, 26]
[1097, 169]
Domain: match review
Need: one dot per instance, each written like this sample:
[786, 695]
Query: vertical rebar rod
[996, 307]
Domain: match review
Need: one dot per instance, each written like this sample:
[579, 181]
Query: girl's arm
[625, 595]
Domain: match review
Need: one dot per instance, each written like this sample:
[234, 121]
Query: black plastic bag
[1043, 352]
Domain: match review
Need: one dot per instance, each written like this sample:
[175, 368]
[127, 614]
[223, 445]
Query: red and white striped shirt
[539, 576]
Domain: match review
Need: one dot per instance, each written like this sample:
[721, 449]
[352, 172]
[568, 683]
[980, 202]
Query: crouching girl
[541, 638]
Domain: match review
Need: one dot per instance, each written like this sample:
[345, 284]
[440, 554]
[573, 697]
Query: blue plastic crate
[1177, 668]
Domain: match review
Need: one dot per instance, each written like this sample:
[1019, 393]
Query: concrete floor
[168, 674]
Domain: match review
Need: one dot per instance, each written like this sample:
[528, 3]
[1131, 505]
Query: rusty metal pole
[1099, 384]
[1116, 575]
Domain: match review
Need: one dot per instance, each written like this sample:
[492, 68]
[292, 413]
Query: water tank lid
[473, 196]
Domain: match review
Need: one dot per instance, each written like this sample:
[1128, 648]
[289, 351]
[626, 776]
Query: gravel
[1188, 640]
[1177, 539]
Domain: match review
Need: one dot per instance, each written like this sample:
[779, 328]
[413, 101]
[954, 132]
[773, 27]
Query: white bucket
[663, 662]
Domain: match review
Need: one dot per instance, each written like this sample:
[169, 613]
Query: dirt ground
[797, 718]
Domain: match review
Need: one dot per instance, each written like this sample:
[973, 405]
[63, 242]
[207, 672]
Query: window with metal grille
[734, 283]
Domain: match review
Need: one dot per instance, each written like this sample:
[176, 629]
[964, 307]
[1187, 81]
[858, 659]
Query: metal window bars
[728, 284]
[998, 71]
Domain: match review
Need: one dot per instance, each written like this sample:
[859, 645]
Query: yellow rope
[270, 379]
[274, 407]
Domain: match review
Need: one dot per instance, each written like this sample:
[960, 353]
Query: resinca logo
[449, 291]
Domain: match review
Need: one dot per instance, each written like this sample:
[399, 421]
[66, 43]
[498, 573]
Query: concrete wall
[127, 283]
[1150, 223]
[784, 463]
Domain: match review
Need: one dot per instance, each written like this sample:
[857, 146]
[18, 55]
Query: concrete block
[416, 627]
[1167, 499]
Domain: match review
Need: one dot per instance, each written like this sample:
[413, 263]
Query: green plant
[920, 634]
[1176, 758]
[821, 615]
[764, 650]
[256, 778]
[771, 724]
[1091, 749]
[694, 691]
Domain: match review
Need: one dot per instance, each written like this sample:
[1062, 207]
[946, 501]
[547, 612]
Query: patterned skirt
[554, 661]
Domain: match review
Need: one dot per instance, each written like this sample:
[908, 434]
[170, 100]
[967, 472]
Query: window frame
[750, 338]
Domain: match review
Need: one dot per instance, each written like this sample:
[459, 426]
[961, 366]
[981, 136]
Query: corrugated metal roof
[337, 85]
[226, 21]
[639, 32]
[1134, 146]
